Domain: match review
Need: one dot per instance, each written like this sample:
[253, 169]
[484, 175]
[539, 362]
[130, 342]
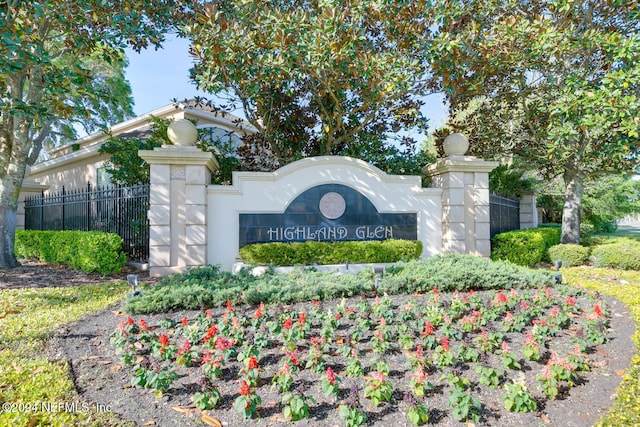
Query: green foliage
[125, 166]
[62, 66]
[623, 254]
[567, 106]
[459, 272]
[518, 398]
[509, 181]
[323, 253]
[315, 78]
[208, 286]
[609, 199]
[570, 255]
[90, 251]
[525, 247]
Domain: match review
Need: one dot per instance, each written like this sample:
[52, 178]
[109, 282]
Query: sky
[157, 77]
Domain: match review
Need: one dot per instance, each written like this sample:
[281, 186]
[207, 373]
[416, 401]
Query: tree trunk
[8, 233]
[571, 209]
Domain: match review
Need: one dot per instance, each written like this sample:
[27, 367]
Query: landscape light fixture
[558, 277]
[133, 282]
[379, 270]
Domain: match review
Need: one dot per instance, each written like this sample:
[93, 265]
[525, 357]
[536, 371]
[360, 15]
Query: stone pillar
[179, 177]
[528, 211]
[29, 188]
[465, 198]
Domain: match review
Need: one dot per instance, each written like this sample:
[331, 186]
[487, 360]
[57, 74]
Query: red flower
[302, 318]
[502, 298]
[331, 376]
[287, 324]
[229, 305]
[185, 321]
[186, 346]
[164, 340]
[428, 329]
[293, 356]
[259, 310]
[223, 344]
[209, 315]
[597, 310]
[143, 325]
[505, 347]
[236, 323]
[523, 305]
[130, 321]
[337, 316]
[206, 357]
[571, 300]
[253, 363]
[555, 311]
[445, 343]
[211, 332]
[244, 389]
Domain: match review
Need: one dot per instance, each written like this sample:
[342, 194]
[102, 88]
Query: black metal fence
[505, 214]
[120, 210]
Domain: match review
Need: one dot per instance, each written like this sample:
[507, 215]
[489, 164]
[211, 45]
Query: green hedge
[90, 251]
[570, 255]
[525, 247]
[323, 253]
[208, 286]
[623, 254]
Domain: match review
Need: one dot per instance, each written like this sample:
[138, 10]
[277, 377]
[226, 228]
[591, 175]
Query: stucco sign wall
[323, 199]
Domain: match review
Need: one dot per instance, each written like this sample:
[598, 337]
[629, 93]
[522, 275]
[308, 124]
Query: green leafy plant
[622, 254]
[417, 413]
[378, 388]
[489, 376]
[311, 252]
[524, 247]
[295, 405]
[89, 251]
[351, 411]
[463, 406]
[569, 254]
[518, 398]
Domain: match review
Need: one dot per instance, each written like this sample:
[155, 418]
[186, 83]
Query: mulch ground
[99, 378]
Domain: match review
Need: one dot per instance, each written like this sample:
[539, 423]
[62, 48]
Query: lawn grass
[30, 381]
[626, 409]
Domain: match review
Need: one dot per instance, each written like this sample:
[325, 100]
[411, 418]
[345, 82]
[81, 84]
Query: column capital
[179, 155]
[459, 164]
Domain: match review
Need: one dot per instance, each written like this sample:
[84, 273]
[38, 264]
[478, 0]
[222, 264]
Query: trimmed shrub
[570, 255]
[208, 286]
[623, 254]
[525, 247]
[90, 251]
[453, 272]
[322, 253]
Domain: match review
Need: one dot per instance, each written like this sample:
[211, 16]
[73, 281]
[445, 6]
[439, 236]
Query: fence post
[465, 198]
[528, 211]
[88, 207]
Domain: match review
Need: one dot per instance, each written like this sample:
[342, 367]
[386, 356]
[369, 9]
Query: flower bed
[425, 356]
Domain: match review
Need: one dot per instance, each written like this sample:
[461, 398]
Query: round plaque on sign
[332, 205]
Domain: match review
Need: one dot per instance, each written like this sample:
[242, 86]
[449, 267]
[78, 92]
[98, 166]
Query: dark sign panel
[327, 213]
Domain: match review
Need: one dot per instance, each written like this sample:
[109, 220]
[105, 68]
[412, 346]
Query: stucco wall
[254, 192]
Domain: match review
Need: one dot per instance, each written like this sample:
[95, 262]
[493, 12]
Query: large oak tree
[51, 77]
[555, 82]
